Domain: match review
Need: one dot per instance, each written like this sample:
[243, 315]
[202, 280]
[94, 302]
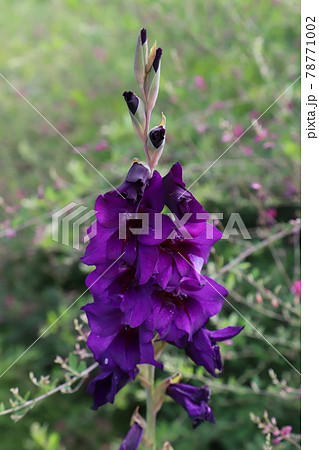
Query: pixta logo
[68, 223]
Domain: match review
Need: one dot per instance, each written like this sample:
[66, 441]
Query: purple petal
[225, 333]
[133, 438]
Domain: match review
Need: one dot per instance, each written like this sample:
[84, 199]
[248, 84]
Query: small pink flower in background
[290, 106]
[269, 144]
[201, 128]
[291, 190]
[269, 216]
[39, 234]
[99, 53]
[40, 191]
[59, 183]
[271, 212]
[274, 302]
[215, 219]
[63, 126]
[259, 298]
[219, 104]
[102, 145]
[11, 209]
[172, 99]
[82, 148]
[255, 186]
[20, 194]
[238, 130]
[285, 431]
[247, 151]
[10, 233]
[233, 134]
[261, 135]
[253, 115]
[296, 288]
[227, 136]
[200, 83]
[267, 428]
[45, 129]
[229, 342]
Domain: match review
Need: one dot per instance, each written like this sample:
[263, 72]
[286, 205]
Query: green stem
[150, 414]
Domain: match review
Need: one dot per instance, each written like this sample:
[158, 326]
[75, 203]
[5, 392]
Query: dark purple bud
[135, 182]
[157, 136]
[131, 101]
[157, 59]
[143, 36]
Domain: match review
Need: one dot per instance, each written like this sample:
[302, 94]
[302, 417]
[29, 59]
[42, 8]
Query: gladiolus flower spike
[147, 286]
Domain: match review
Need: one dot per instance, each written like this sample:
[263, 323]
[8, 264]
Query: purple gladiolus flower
[114, 343]
[193, 400]
[133, 438]
[149, 282]
[187, 308]
[181, 256]
[106, 385]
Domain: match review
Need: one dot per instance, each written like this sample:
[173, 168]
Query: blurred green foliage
[224, 63]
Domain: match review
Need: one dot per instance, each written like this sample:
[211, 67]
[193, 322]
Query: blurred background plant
[225, 62]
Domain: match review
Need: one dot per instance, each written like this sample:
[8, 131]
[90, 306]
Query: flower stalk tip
[147, 73]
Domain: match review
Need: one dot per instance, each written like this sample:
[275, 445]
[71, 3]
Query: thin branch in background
[295, 228]
[280, 265]
[261, 309]
[64, 388]
[269, 294]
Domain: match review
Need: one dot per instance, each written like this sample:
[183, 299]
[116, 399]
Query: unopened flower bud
[157, 136]
[137, 112]
[141, 56]
[156, 142]
[152, 80]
